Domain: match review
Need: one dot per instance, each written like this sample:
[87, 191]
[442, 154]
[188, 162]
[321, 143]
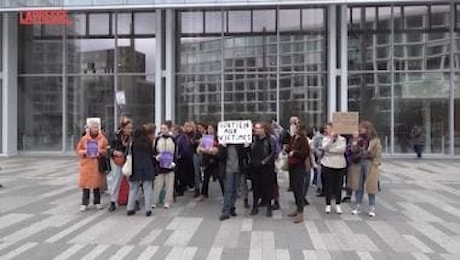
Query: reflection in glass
[191, 22]
[422, 99]
[264, 20]
[140, 97]
[136, 55]
[289, 20]
[199, 55]
[457, 114]
[40, 113]
[370, 95]
[99, 24]
[198, 98]
[239, 21]
[250, 54]
[88, 96]
[40, 53]
[90, 56]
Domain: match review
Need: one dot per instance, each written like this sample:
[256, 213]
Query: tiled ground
[418, 218]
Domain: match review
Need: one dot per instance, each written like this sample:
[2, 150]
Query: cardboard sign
[235, 132]
[345, 122]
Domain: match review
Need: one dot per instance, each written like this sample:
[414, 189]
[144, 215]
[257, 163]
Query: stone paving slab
[418, 217]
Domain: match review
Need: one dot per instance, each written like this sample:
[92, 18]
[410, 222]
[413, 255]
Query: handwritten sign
[92, 148]
[235, 132]
[345, 122]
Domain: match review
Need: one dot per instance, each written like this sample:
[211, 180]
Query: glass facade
[253, 62]
[399, 72]
[257, 64]
[67, 74]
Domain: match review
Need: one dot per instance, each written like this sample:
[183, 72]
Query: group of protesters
[165, 164]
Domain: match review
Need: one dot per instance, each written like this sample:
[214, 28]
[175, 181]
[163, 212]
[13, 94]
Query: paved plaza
[418, 217]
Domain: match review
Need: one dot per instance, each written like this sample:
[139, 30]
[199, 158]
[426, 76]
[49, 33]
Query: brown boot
[293, 214]
[298, 218]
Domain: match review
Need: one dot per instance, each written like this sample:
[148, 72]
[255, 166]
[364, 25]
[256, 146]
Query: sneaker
[167, 206]
[224, 217]
[130, 212]
[328, 209]
[83, 208]
[372, 212]
[154, 206]
[338, 209]
[148, 213]
[99, 207]
[357, 210]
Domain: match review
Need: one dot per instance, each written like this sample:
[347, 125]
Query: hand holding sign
[235, 132]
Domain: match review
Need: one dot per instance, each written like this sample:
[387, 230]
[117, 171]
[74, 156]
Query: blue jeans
[359, 194]
[306, 183]
[197, 169]
[231, 190]
[133, 195]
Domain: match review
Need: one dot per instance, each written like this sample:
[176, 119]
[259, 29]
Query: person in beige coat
[364, 169]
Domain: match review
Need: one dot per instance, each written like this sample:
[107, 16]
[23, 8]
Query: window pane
[191, 22]
[368, 93]
[198, 55]
[136, 55]
[124, 23]
[144, 23]
[264, 20]
[423, 102]
[239, 21]
[40, 114]
[313, 19]
[88, 96]
[39, 54]
[140, 97]
[213, 22]
[90, 56]
[199, 97]
[439, 16]
[289, 20]
[99, 24]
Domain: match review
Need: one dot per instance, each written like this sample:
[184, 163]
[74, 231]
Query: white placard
[120, 97]
[235, 132]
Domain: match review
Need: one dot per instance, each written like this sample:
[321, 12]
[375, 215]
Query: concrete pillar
[427, 125]
[331, 61]
[159, 102]
[170, 49]
[9, 84]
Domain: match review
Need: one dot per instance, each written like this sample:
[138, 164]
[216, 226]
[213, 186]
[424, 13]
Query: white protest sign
[120, 97]
[235, 132]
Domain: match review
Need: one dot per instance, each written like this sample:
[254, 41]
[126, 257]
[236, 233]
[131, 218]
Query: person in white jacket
[333, 167]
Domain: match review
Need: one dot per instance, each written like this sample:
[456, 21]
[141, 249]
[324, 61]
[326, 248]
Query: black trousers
[262, 184]
[334, 182]
[297, 179]
[85, 197]
[209, 171]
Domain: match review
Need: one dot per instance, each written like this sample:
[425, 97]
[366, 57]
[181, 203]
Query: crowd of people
[166, 164]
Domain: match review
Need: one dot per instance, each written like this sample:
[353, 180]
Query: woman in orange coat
[92, 146]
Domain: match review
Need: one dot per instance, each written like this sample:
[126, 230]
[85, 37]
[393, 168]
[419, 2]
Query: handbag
[104, 164]
[127, 169]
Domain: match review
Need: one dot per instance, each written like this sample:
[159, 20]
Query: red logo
[48, 17]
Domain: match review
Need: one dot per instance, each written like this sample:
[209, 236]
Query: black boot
[112, 207]
[197, 193]
[269, 212]
[246, 204]
[305, 201]
[233, 212]
[254, 211]
[276, 205]
[131, 212]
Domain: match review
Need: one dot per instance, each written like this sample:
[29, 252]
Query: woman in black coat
[143, 170]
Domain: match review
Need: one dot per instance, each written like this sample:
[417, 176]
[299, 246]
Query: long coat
[89, 176]
[373, 173]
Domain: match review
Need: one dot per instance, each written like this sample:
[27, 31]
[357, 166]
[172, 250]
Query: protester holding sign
[165, 151]
[90, 177]
[262, 166]
[333, 166]
[208, 149]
